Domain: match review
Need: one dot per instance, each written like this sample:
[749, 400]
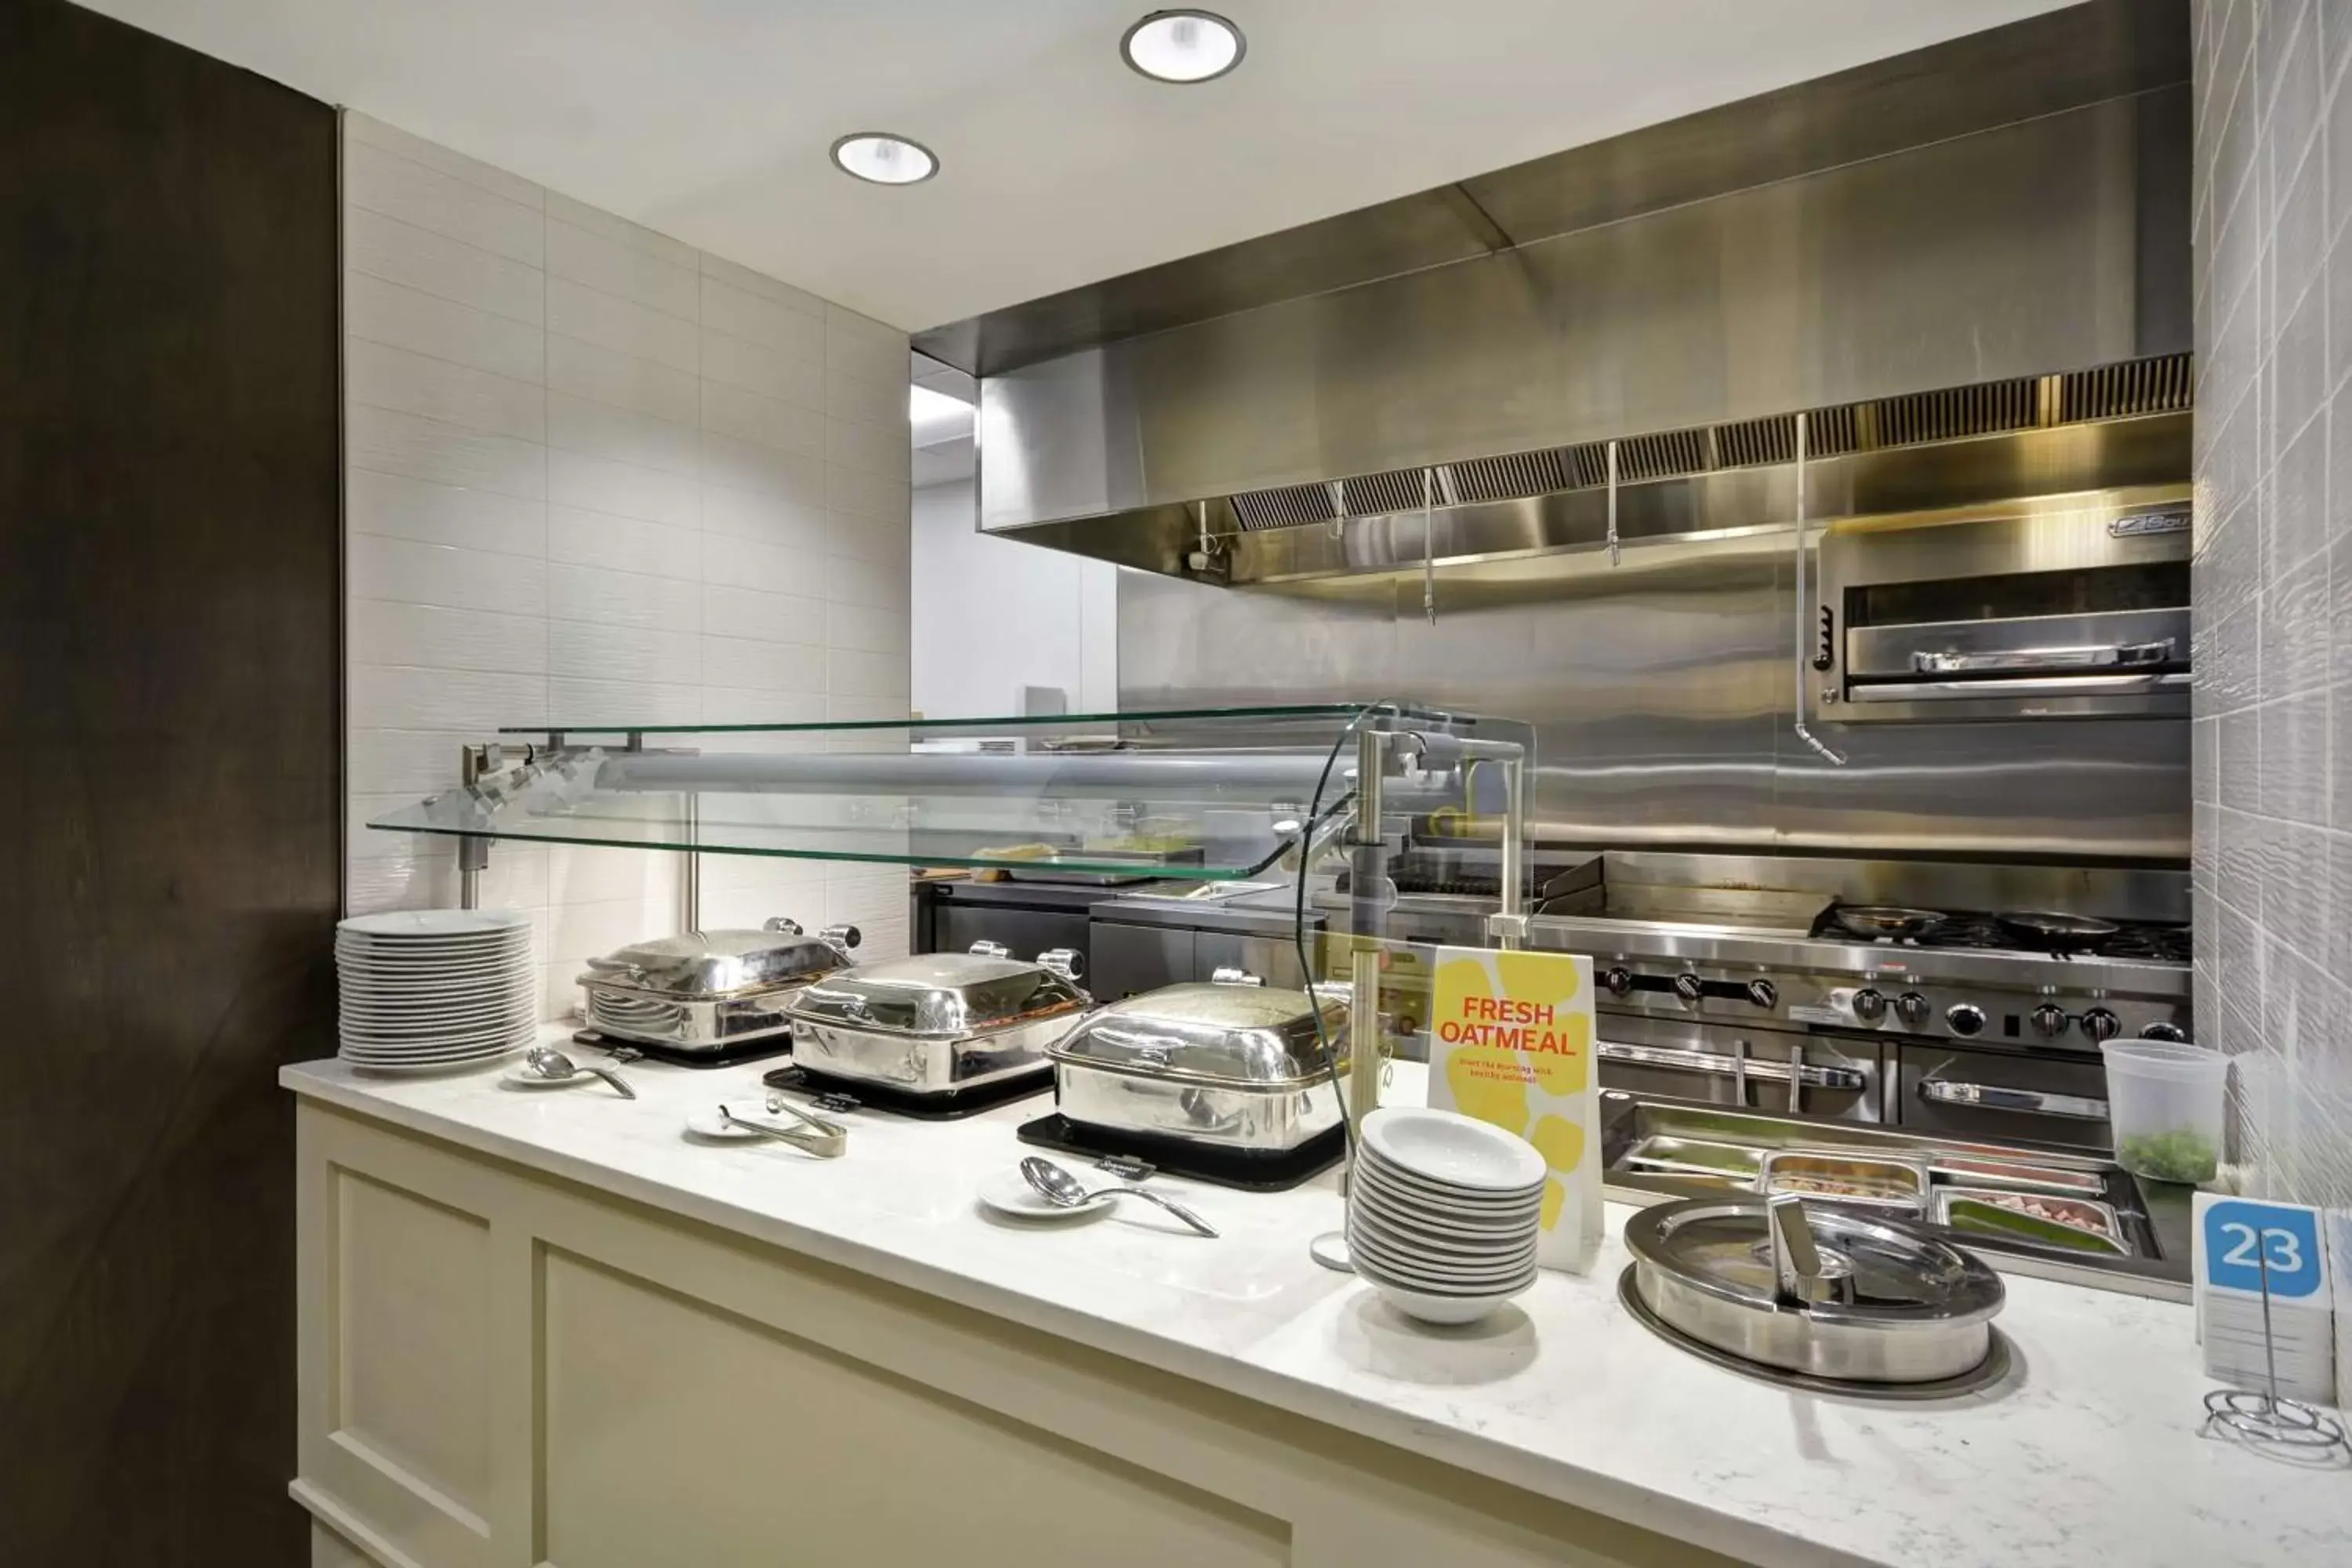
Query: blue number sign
[2241, 1236]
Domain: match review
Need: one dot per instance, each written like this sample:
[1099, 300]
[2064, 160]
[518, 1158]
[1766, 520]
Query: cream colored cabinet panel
[772, 1449]
[405, 1435]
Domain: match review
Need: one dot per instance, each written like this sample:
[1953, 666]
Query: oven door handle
[2043, 660]
[1991, 1096]
[1732, 1066]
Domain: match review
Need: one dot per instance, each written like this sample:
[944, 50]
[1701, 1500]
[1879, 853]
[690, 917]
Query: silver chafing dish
[1231, 1063]
[1815, 1296]
[710, 990]
[938, 1023]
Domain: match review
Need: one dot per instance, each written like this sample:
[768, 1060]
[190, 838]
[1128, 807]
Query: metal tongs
[825, 1140]
[1804, 1274]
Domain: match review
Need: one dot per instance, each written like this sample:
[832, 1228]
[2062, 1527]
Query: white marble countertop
[2091, 1453]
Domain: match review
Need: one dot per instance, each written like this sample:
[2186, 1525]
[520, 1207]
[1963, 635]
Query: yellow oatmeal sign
[1512, 1045]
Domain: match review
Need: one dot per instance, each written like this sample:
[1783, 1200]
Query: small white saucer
[707, 1123]
[1008, 1192]
[516, 1078]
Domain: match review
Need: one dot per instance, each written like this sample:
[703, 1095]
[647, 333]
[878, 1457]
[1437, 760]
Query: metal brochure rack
[1200, 797]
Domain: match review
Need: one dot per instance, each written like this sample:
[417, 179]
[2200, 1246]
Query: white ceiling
[710, 118]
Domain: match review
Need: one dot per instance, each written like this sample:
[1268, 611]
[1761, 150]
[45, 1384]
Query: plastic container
[2165, 1104]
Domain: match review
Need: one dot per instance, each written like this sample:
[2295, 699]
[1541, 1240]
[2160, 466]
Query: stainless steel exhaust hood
[1990, 236]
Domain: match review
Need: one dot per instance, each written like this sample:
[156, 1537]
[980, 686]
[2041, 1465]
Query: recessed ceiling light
[885, 159]
[1183, 46]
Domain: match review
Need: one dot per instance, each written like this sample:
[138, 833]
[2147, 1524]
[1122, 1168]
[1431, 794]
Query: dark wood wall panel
[170, 790]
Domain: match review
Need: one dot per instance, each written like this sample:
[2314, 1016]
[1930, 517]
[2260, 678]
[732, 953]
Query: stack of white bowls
[432, 990]
[1443, 1213]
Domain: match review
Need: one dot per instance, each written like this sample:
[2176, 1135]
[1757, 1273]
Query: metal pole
[473, 854]
[690, 873]
[1368, 885]
[1513, 925]
[1805, 611]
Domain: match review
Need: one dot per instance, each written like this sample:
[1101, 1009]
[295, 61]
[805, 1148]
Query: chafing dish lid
[946, 993]
[1877, 1273]
[1221, 1032]
[708, 964]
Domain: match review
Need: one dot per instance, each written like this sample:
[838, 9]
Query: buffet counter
[542, 1326]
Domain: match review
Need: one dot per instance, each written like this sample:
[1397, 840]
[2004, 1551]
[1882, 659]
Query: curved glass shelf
[1203, 794]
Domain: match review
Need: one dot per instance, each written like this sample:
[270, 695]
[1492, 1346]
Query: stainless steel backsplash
[1660, 691]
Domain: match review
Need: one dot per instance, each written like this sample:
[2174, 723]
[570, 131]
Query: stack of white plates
[1443, 1213]
[427, 990]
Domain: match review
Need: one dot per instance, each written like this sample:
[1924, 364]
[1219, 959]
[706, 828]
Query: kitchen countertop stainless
[2089, 1454]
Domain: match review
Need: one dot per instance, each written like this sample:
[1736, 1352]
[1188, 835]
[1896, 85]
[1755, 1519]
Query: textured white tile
[620, 269]
[741, 664]
[598, 926]
[880, 940]
[886, 541]
[391, 138]
[383, 311]
[583, 651]
[735, 612]
[880, 449]
[872, 400]
[405, 571]
[868, 361]
[600, 484]
[737, 361]
[608, 226]
[380, 247]
[762, 286]
[588, 873]
[401, 697]
[623, 325]
[776, 517]
[853, 582]
[621, 702]
[643, 385]
[742, 705]
[382, 440]
[847, 327]
[623, 543]
[885, 497]
[849, 673]
[623, 599]
[424, 875]
[749, 908]
[770, 568]
[736, 464]
[769, 421]
[382, 632]
[868, 629]
[445, 514]
[877, 898]
[767, 322]
[622, 435]
[378, 182]
[386, 377]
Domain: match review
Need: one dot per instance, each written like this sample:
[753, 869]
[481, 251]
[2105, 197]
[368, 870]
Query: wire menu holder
[2261, 1415]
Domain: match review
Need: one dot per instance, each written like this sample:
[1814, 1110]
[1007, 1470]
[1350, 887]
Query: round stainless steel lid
[1219, 1032]
[941, 994]
[714, 963]
[1830, 1291]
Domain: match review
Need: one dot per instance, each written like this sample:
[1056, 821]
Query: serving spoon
[1064, 1190]
[545, 1061]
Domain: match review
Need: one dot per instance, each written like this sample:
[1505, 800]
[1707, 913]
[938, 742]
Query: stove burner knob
[2171, 1034]
[1912, 1008]
[1686, 986]
[1966, 1018]
[2049, 1020]
[1763, 993]
[1869, 1007]
[2101, 1025]
[1620, 981]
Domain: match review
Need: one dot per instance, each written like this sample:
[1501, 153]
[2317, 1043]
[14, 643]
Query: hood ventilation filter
[2163, 386]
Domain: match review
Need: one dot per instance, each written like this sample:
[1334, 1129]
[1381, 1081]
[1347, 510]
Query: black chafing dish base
[1250, 1170]
[848, 1093]
[753, 1050]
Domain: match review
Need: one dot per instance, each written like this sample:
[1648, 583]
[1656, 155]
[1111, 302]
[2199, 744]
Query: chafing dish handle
[2033, 660]
[1744, 1068]
[1991, 1096]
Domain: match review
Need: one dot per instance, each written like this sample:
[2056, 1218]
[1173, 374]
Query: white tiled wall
[2272, 579]
[597, 476]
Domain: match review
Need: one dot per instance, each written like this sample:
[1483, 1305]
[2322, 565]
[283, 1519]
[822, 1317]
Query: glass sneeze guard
[1206, 794]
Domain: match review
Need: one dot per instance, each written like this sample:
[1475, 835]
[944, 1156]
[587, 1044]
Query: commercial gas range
[1728, 979]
